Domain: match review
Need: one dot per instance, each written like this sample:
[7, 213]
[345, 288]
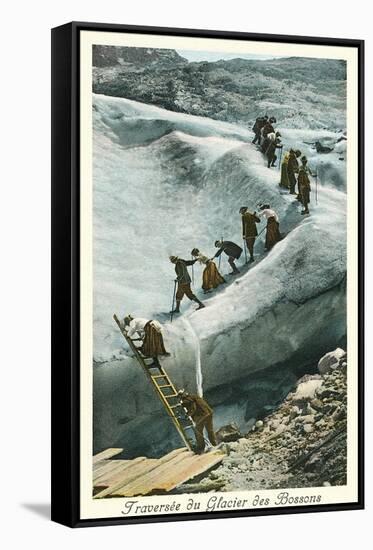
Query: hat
[266, 116]
[194, 252]
[272, 119]
[298, 153]
[278, 134]
[218, 243]
[243, 209]
[127, 320]
[181, 392]
[304, 159]
[173, 258]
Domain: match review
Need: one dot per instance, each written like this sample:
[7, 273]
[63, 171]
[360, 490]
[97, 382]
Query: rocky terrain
[301, 444]
[300, 92]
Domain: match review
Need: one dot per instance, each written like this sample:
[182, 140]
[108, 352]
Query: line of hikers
[150, 331]
[291, 172]
[211, 278]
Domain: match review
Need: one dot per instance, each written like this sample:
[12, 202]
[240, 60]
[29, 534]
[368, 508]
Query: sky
[192, 55]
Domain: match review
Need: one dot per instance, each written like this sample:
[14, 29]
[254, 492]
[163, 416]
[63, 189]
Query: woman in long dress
[273, 234]
[211, 277]
[284, 171]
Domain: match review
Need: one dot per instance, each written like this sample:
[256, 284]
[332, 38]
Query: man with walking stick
[182, 282]
[304, 185]
[249, 230]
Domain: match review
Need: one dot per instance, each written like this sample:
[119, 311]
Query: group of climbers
[267, 138]
[291, 172]
[211, 278]
[150, 331]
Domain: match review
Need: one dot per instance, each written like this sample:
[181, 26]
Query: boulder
[306, 391]
[228, 433]
[330, 361]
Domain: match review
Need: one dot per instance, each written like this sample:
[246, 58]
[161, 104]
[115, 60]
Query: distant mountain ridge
[298, 91]
[112, 56]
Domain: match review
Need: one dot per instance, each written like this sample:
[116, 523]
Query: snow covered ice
[166, 182]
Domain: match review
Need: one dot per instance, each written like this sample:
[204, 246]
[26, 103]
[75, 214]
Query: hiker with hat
[232, 250]
[266, 130]
[183, 281]
[284, 181]
[149, 331]
[211, 277]
[293, 168]
[201, 413]
[249, 230]
[304, 185]
[257, 128]
[274, 143]
[273, 234]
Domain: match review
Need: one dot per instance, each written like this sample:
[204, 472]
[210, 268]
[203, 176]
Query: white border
[113, 508]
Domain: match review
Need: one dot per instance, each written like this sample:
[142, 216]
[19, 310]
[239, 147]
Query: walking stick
[316, 187]
[220, 254]
[265, 227]
[173, 302]
[192, 272]
[279, 162]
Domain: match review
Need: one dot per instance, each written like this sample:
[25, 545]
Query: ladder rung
[147, 363]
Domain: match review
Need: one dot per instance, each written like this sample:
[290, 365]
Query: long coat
[304, 185]
[249, 222]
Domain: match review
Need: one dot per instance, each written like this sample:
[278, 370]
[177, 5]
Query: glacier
[167, 182]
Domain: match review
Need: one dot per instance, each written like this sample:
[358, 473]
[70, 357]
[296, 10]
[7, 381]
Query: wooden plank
[141, 485]
[128, 474]
[187, 470]
[138, 472]
[105, 466]
[114, 466]
[123, 470]
[104, 455]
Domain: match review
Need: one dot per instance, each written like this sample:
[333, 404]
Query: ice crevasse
[165, 183]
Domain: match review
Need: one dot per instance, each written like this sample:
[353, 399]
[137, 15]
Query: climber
[183, 281]
[304, 185]
[267, 129]
[274, 143]
[284, 171]
[293, 168]
[232, 250]
[249, 230]
[211, 277]
[150, 332]
[201, 414]
[257, 128]
[273, 234]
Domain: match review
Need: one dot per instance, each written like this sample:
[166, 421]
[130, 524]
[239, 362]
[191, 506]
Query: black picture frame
[66, 270]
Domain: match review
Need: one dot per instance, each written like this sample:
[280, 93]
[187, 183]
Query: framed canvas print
[207, 229]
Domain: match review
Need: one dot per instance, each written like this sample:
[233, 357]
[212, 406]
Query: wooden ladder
[164, 388]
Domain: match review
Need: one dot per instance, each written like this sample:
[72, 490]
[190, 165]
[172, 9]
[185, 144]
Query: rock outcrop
[303, 443]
